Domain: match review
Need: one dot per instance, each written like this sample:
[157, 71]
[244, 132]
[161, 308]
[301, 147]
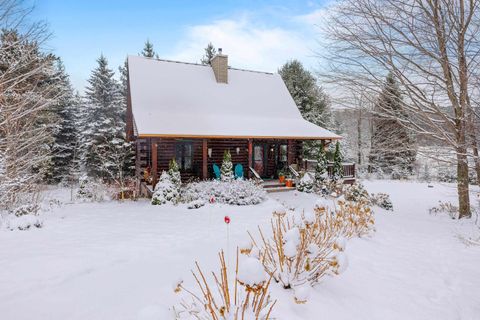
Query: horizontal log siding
[166, 152]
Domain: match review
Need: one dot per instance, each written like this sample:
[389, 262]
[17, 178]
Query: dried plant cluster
[353, 218]
[249, 299]
[302, 249]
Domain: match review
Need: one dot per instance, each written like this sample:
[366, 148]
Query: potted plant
[288, 180]
[281, 175]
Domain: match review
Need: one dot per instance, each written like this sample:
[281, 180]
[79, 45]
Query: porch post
[154, 161]
[290, 152]
[204, 159]
[250, 151]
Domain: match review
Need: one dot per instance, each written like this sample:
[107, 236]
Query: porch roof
[175, 99]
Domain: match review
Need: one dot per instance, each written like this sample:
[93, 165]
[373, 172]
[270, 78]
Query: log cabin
[193, 113]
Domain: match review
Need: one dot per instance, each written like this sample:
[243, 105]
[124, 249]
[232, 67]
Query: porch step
[279, 189]
[273, 184]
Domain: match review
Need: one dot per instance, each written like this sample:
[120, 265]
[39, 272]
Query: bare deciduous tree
[431, 47]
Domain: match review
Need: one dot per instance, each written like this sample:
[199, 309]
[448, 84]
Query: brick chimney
[219, 65]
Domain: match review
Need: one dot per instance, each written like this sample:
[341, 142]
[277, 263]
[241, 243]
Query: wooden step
[273, 184]
[279, 189]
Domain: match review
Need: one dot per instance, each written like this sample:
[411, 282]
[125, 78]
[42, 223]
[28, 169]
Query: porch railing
[348, 168]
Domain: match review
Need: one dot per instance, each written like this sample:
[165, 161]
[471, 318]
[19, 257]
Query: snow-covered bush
[235, 192]
[165, 191]
[226, 171]
[246, 297]
[321, 168]
[306, 183]
[195, 204]
[381, 200]
[356, 192]
[91, 190]
[26, 209]
[22, 222]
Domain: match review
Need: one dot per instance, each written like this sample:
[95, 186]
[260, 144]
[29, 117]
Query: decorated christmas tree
[226, 170]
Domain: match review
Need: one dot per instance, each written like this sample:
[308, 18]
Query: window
[183, 155]
[283, 153]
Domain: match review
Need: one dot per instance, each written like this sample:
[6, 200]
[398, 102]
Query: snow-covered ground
[119, 260]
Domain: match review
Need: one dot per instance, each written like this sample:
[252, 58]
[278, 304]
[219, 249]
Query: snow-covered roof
[177, 99]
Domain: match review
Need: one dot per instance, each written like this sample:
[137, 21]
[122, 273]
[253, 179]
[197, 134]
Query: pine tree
[226, 171]
[210, 52]
[65, 133]
[105, 144]
[312, 102]
[393, 149]
[321, 168]
[148, 50]
[337, 163]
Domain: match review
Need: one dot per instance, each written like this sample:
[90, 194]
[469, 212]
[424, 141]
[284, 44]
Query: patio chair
[238, 171]
[216, 171]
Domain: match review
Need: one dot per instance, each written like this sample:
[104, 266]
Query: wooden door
[259, 159]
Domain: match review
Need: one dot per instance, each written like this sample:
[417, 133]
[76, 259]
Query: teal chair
[238, 171]
[216, 171]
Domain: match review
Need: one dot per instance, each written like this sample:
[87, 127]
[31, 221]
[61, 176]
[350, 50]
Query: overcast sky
[258, 35]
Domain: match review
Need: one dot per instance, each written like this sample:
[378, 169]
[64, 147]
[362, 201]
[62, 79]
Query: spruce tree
[105, 144]
[337, 163]
[393, 149]
[174, 173]
[66, 132]
[148, 50]
[312, 102]
[226, 171]
[210, 52]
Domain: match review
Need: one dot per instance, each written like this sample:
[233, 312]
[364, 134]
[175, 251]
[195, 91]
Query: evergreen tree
[174, 173]
[65, 133]
[312, 102]
[148, 50]
[226, 171]
[104, 141]
[337, 163]
[393, 149]
[321, 168]
[210, 52]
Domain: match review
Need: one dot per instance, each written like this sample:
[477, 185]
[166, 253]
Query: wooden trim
[204, 159]
[154, 172]
[148, 135]
[250, 159]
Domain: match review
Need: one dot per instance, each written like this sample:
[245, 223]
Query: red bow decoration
[227, 219]
[212, 199]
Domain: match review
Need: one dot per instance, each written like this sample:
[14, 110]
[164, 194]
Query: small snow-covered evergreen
[321, 173]
[226, 170]
[165, 191]
[337, 163]
[174, 173]
[306, 184]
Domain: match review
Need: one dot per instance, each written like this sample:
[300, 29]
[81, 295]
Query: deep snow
[121, 260]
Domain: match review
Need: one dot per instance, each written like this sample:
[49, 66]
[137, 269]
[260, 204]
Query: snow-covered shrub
[165, 191]
[91, 190]
[22, 222]
[306, 183]
[195, 204]
[445, 207]
[381, 200]
[331, 187]
[356, 192]
[303, 248]
[246, 297]
[174, 173]
[321, 170]
[235, 192]
[226, 171]
[26, 209]
[337, 163]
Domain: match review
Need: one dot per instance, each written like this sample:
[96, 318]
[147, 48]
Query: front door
[259, 159]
